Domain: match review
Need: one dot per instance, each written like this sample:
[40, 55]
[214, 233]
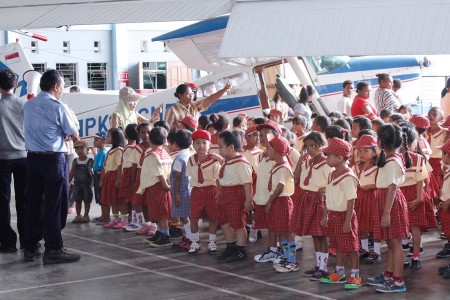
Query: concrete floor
[118, 265]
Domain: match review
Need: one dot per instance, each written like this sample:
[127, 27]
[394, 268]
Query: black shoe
[406, 247]
[175, 232]
[406, 264]
[443, 269]
[238, 255]
[8, 249]
[415, 264]
[444, 252]
[373, 258]
[229, 250]
[60, 256]
[163, 241]
[154, 238]
[30, 256]
[363, 254]
[411, 251]
[259, 235]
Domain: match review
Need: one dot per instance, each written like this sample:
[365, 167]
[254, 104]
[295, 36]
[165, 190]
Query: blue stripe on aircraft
[367, 63]
[21, 84]
[337, 87]
[197, 28]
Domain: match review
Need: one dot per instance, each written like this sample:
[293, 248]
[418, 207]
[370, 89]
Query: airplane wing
[26, 14]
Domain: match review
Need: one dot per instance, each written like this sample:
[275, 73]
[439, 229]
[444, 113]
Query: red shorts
[231, 206]
[422, 216]
[342, 242]
[260, 216]
[399, 227]
[137, 199]
[204, 203]
[364, 205]
[126, 186]
[110, 194]
[307, 215]
[159, 202]
[279, 217]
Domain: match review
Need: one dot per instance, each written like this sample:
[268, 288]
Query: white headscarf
[127, 116]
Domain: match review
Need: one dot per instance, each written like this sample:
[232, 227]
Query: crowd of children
[345, 183]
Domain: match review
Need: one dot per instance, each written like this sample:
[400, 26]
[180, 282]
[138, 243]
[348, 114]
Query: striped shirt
[178, 111]
[385, 99]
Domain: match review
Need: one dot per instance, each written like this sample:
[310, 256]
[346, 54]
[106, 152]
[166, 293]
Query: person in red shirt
[361, 105]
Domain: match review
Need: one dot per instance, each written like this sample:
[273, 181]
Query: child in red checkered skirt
[420, 207]
[339, 215]
[235, 196]
[390, 218]
[279, 206]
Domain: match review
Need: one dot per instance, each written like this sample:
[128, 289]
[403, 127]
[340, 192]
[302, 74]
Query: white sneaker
[132, 227]
[212, 247]
[253, 235]
[195, 247]
[267, 256]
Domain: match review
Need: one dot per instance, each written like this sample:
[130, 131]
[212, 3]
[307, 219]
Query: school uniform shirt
[365, 176]
[152, 168]
[173, 154]
[436, 139]
[209, 170]
[293, 157]
[445, 190]
[425, 147]
[393, 172]
[252, 157]
[315, 177]
[113, 159]
[282, 174]
[214, 148]
[417, 171]
[262, 180]
[236, 171]
[340, 190]
[298, 143]
[135, 157]
[128, 153]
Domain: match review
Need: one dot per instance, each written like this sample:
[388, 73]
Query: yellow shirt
[128, 156]
[417, 172]
[340, 190]
[152, 168]
[283, 174]
[236, 171]
[319, 175]
[262, 180]
[252, 157]
[445, 190]
[113, 159]
[210, 170]
[393, 172]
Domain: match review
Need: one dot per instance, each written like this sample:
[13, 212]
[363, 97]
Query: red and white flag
[12, 58]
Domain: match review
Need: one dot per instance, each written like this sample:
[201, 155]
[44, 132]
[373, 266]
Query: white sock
[365, 244]
[323, 261]
[187, 230]
[318, 259]
[133, 217]
[140, 218]
[212, 237]
[195, 236]
[377, 248]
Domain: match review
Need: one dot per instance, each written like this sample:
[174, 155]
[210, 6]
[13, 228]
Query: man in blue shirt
[46, 123]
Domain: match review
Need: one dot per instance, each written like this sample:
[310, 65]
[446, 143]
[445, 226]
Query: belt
[44, 152]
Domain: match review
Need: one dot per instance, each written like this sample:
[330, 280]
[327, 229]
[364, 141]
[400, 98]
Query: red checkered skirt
[110, 193]
[342, 242]
[260, 216]
[204, 203]
[231, 206]
[137, 199]
[279, 217]
[307, 215]
[126, 186]
[433, 188]
[420, 217]
[399, 227]
[159, 202]
[364, 205]
[445, 219]
[437, 171]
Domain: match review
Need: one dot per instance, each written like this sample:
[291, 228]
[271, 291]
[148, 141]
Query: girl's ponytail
[382, 158]
[408, 161]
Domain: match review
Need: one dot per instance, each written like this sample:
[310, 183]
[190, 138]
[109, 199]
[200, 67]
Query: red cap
[275, 111]
[193, 86]
[280, 145]
[251, 129]
[270, 124]
[190, 121]
[445, 147]
[366, 141]
[201, 134]
[446, 123]
[420, 121]
[339, 147]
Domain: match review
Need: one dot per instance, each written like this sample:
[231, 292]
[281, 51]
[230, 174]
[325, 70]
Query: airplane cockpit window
[240, 83]
[206, 89]
[324, 64]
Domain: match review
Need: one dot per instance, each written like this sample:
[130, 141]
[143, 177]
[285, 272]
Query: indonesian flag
[12, 58]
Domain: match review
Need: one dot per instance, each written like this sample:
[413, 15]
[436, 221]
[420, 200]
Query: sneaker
[100, 221]
[373, 258]
[287, 267]
[212, 248]
[443, 269]
[175, 232]
[76, 220]
[318, 275]
[195, 247]
[406, 264]
[152, 228]
[376, 281]
[406, 247]
[392, 287]
[143, 229]
[280, 257]
[410, 253]
[443, 236]
[279, 262]
[363, 254]
[253, 235]
[309, 273]
[353, 283]
[154, 238]
[298, 245]
[111, 224]
[415, 264]
[163, 241]
[30, 256]
[334, 278]
[184, 244]
[121, 224]
[444, 252]
[85, 219]
[60, 256]
[132, 227]
[239, 254]
[226, 253]
[267, 256]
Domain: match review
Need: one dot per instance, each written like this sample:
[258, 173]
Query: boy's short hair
[158, 135]
[162, 124]
[323, 122]
[347, 82]
[385, 113]
[363, 122]
[7, 79]
[259, 121]
[237, 121]
[171, 137]
[378, 122]
[183, 138]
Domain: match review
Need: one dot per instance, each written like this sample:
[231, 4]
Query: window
[97, 47]
[34, 47]
[66, 47]
[324, 64]
[69, 72]
[155, 75]
[97, 76]
[240, 83]
[143, 46]
[39, 68]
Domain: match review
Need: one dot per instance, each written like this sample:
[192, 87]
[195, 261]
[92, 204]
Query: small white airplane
[253, 79]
